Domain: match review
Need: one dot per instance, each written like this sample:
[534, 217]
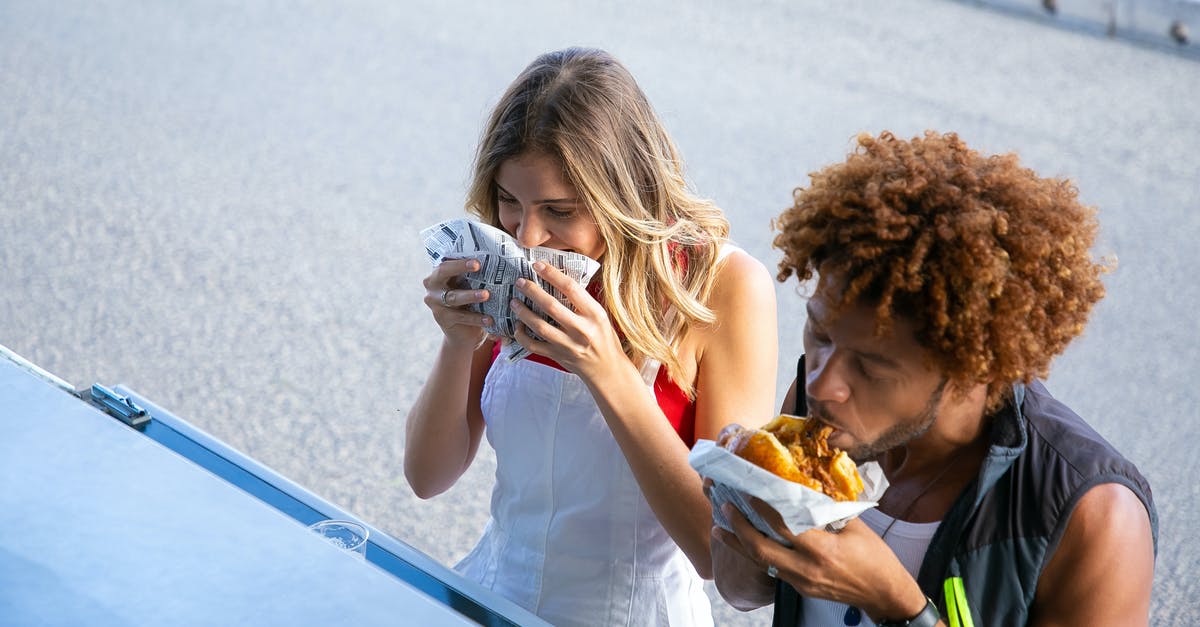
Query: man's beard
[902, 432]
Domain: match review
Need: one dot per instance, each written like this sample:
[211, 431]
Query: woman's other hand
[462, 327]
[584, 341]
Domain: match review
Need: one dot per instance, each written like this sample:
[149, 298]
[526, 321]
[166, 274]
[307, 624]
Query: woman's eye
[506, 200]
[559, 213]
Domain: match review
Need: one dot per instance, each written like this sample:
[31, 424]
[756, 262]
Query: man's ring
[445, 293]
[772, 571]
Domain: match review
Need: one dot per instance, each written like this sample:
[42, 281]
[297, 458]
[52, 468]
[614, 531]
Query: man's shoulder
[1054, 458]
[1063, 459]
[1059, 436]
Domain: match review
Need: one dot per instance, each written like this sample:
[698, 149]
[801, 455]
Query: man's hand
[852, 566]
[742, 582]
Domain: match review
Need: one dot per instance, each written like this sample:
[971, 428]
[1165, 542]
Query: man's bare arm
[1103, 568]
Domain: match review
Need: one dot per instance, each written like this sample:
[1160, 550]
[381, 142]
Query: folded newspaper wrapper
[501, 262]
[802, 508]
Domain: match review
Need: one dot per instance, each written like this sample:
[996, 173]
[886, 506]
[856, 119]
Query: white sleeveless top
[908, 541]
[571, 537]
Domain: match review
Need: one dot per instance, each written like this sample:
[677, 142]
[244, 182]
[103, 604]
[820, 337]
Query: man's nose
[826, 382]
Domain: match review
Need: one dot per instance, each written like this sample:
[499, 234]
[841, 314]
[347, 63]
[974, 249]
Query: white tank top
[908, 541]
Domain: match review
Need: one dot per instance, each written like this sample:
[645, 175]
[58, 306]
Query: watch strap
[927, 617]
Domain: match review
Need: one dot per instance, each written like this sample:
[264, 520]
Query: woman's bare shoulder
[738, 276]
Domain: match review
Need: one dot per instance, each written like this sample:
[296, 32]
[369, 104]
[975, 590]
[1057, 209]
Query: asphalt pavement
[217, 203]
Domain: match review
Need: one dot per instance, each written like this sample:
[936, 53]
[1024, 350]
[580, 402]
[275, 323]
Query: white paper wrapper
[502, 260]
[802, 508]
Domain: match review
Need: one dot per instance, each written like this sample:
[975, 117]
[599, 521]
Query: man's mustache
[816, 409]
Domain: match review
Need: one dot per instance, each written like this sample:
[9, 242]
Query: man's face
[876, 392]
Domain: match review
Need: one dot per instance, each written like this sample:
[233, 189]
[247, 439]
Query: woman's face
[540, 207]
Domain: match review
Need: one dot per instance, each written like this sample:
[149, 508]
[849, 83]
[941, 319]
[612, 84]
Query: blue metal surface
[103, 524]
[191, 444]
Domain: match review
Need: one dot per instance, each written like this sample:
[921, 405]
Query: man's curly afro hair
[989, 260]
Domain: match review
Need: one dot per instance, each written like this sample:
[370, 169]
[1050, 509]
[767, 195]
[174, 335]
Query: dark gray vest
[1002, 530]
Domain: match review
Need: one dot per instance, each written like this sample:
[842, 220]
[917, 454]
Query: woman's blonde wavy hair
[583, 108]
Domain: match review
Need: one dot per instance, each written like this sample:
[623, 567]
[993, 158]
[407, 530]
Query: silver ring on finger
[772, 571]
[445, 301]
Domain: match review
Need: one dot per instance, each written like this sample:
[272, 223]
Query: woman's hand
[584, 341]
[463, 328]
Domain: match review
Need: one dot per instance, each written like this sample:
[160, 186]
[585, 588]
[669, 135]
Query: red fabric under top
[674, 402]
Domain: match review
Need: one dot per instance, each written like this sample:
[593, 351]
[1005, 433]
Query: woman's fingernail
[539, 265]
[514, 302]
[479, 294]
[521, 283]
[487, 322]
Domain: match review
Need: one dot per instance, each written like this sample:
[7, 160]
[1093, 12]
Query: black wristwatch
[927, 617]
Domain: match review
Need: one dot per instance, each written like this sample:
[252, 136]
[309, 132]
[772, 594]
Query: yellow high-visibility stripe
[964, 610]
[951, 607]
[956, 603]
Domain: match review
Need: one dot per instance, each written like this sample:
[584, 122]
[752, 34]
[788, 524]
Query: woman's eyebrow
[544, 201]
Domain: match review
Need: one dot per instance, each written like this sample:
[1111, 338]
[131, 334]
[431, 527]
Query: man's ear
[975, 393]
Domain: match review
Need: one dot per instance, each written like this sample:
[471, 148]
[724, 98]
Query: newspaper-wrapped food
[501, 262]
[789, 465]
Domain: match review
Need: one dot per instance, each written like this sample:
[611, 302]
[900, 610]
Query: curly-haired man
[946, 283]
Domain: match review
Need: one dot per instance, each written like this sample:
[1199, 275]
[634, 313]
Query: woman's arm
[445, 424]
[735, 382]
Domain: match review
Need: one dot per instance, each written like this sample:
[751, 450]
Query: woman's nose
[531, 232]
[825, 382]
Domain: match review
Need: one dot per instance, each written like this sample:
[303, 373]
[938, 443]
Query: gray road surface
[217, 203]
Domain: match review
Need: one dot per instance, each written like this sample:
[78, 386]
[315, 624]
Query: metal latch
[119, 407]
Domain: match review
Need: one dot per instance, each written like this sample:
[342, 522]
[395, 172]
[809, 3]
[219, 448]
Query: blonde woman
[596, 517]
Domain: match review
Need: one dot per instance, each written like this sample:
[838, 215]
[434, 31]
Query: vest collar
[1009, 439]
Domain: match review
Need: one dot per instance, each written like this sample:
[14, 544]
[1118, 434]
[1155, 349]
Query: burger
[797, 449]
